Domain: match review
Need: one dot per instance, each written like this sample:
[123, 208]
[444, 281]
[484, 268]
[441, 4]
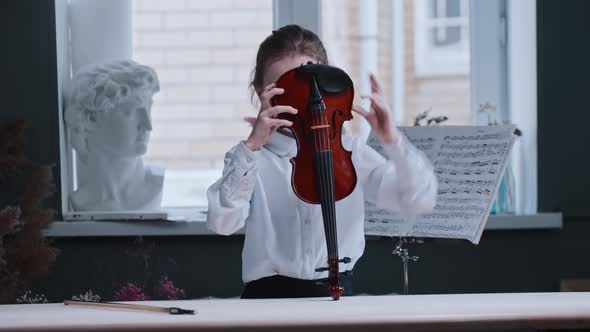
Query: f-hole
[306, 134]
[334, 123]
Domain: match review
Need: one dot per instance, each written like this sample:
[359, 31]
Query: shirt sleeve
[405, 183]
[229, 197]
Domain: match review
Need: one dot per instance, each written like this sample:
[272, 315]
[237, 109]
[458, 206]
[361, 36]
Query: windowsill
[543, 220]
[182, 228]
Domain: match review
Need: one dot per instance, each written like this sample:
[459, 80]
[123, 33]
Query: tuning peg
[344, 260]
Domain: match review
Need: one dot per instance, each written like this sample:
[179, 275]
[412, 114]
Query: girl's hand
[266, 123]
[379, 118]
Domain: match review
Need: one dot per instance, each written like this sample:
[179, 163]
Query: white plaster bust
[108, 121]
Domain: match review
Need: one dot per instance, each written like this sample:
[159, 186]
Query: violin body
[323, 172]
[338, 109]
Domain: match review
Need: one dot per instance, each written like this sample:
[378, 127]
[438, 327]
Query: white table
[467, 312]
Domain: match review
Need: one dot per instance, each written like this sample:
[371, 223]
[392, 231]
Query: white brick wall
[158, 40]
[233, 56]
[234, 19]
[158, 5]
[186, 21]
[148, 21]
[209, 38]
[213, 74]
[203, 52]
[208, 5]
[183, 57]
[151, 57]
[173, 76]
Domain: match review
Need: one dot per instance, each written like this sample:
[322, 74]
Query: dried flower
[167, 290]
[490, 109]
[9, 220]
[25, 252]
[131, 292]
[429, 121]
[30, 298]
[12, 142]
[89, 296]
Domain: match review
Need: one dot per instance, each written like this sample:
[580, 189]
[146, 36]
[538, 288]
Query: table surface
[464, 312]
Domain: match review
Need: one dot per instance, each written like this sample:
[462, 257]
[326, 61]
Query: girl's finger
[267, 95]
[375, 86]
[275, 110]
[280, 123]
[250, 119]
[360, 110]
[268, 87]
[377, 104]
[372, 98]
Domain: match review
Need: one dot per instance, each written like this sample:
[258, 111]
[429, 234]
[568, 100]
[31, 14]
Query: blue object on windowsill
[504, 203]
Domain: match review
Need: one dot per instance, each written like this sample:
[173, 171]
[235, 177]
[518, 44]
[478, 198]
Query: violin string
[329, 184]
[332, 193]
[324, 184]
[334, 226]
[325, 180]
[329, 180]
[319, 175]
[333, 205]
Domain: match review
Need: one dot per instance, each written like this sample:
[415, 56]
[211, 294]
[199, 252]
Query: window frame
[506, 74]
[431, 61]
[522, 99]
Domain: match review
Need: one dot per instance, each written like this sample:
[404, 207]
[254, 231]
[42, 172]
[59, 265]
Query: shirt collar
[281, 145]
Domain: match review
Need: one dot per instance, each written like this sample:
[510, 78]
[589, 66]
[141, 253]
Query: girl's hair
[288, 40]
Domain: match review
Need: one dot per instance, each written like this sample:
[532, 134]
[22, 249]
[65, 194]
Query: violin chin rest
[330, 79]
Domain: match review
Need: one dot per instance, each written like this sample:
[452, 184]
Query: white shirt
[285, 235]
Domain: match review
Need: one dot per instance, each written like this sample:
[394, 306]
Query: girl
[285, 241]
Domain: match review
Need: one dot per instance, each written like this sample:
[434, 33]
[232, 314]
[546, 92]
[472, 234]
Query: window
[441, 34]
[447, 57]
[442, 56]
[203, 53]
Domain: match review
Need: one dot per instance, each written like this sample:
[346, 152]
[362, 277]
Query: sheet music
[469, 162]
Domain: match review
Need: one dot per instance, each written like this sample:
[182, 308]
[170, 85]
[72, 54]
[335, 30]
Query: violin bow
[142, 307]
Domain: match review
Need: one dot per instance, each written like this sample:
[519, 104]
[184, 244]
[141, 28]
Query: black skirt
[278, 286]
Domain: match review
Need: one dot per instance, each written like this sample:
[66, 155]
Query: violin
[323, 172]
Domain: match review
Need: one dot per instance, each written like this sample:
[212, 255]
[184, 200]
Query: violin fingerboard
[324, 168]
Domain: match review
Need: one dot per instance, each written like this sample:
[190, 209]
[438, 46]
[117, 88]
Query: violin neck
[325, 171]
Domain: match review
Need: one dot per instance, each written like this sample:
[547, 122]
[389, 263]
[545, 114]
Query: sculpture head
[108, 109]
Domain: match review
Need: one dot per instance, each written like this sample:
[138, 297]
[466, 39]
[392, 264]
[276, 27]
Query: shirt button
[309, 251]
[307, 221]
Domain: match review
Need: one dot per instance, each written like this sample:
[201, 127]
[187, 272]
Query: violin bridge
[319, 127]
